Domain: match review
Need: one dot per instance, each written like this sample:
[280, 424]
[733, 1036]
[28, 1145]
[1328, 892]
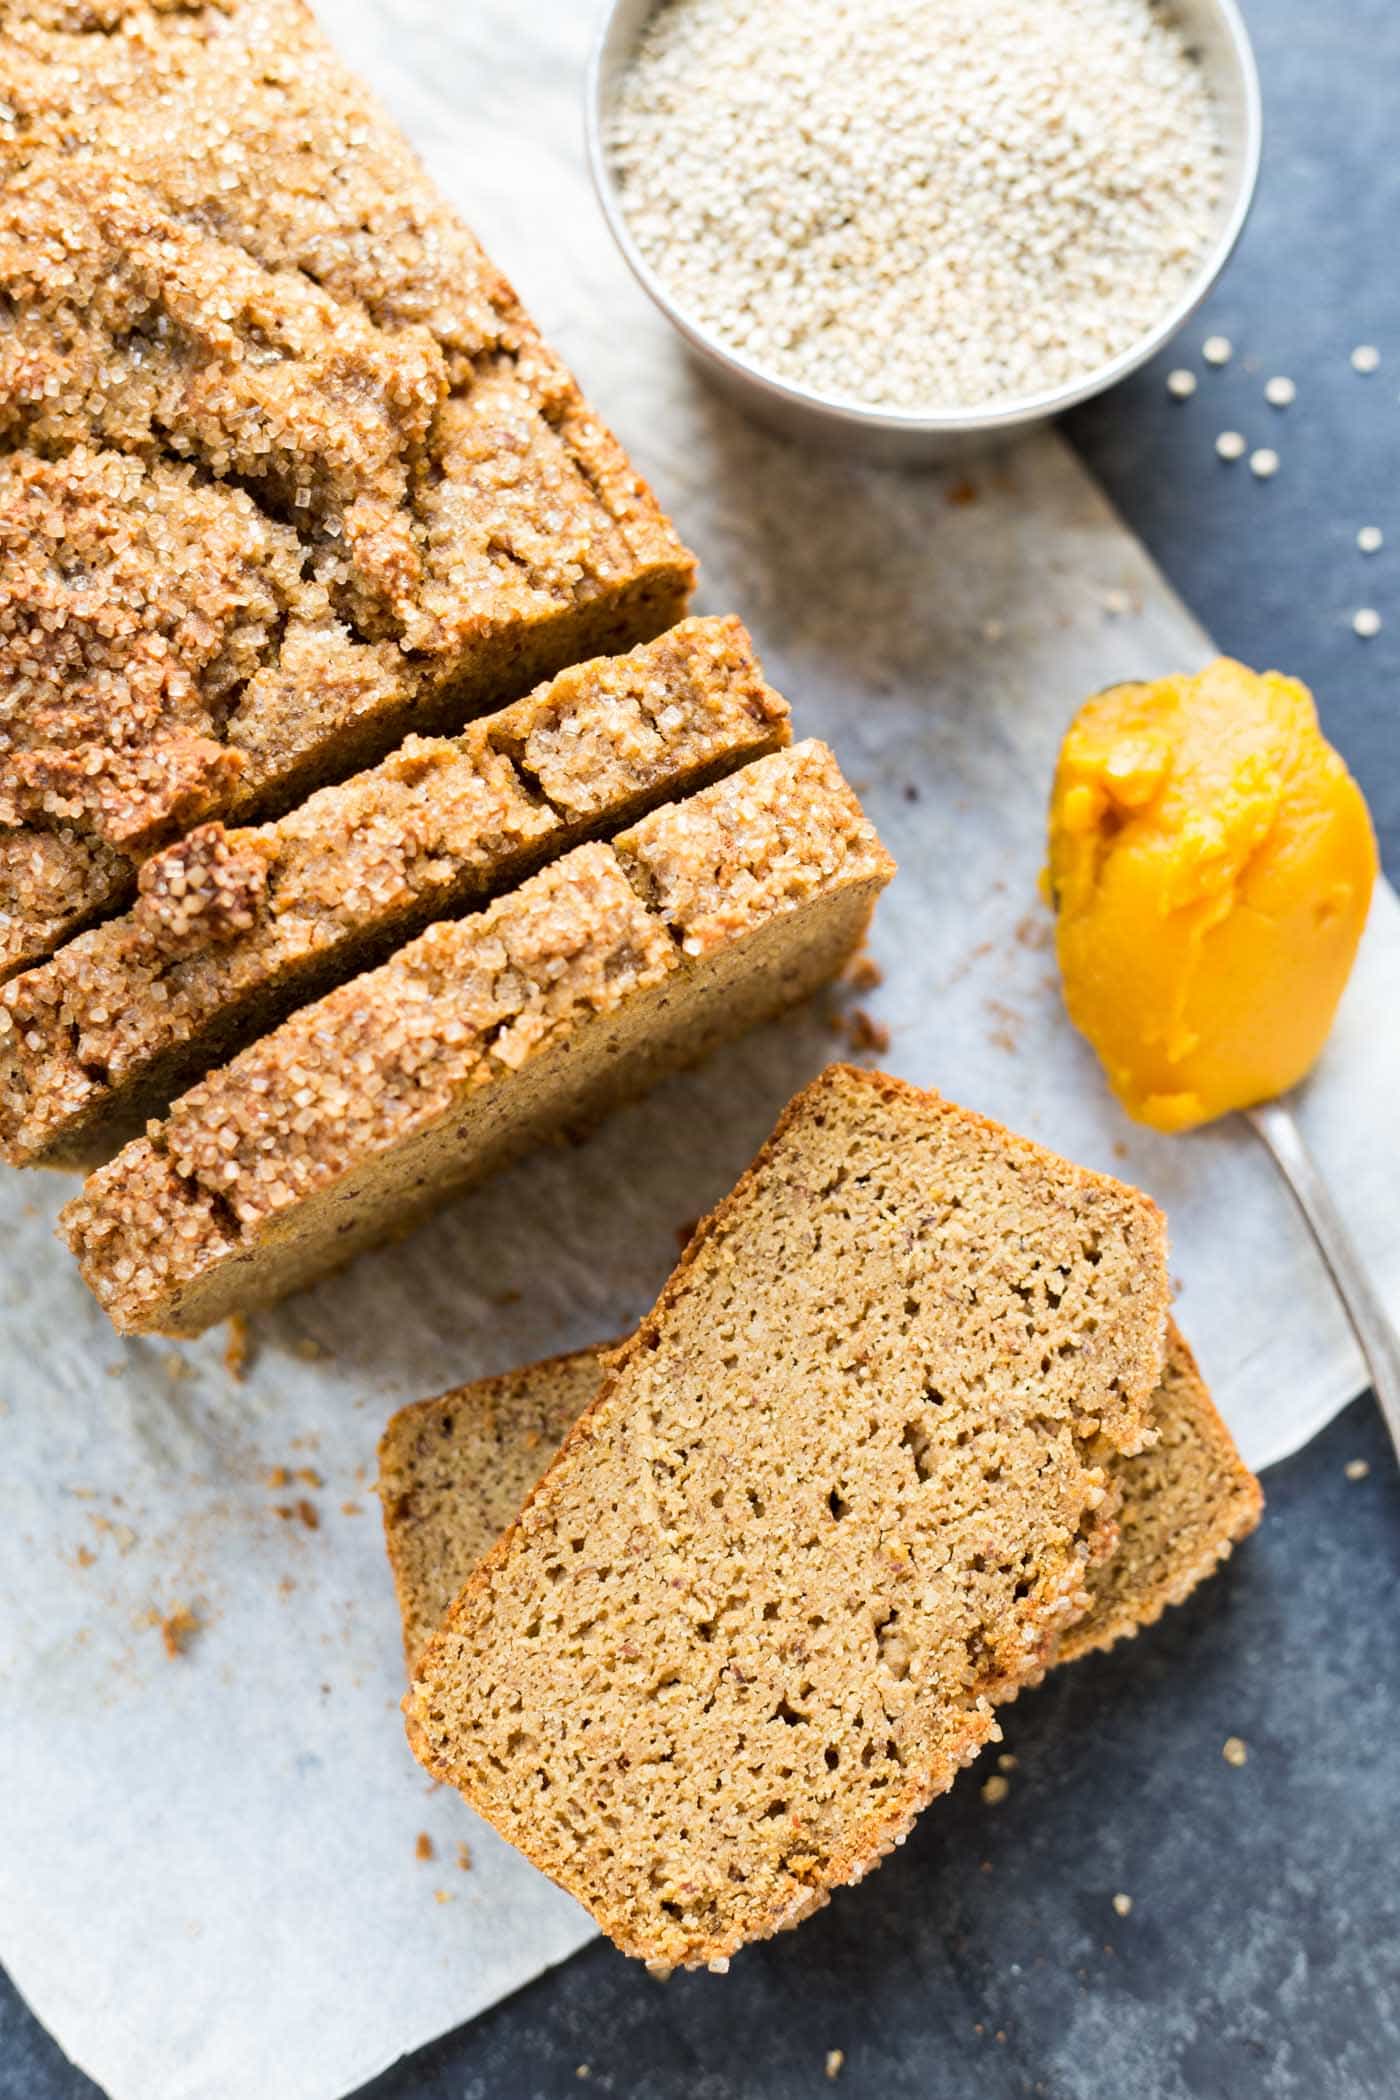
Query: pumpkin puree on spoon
[1211, 867]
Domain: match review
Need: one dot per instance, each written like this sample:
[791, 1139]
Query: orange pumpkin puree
[1211, 866]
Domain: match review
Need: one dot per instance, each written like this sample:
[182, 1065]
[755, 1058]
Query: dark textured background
[1261, 1959]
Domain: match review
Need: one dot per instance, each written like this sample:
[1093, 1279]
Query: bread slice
[290, 473]
[234, 929]
[1187, 1501]
[454, 1471]
[483, 1036]
[836, 1497]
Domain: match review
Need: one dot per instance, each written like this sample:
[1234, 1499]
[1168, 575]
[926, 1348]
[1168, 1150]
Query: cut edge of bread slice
[488, 1653]
[455, 1470]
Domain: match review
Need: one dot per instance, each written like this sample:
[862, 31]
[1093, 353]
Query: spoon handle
[1374, 1329]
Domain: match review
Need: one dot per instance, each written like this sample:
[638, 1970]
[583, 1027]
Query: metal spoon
[1372, 1325]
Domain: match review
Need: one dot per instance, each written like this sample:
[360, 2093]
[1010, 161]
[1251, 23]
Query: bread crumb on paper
[864, 1032]
[863, 974]
[177, 1631]
[236, 1348]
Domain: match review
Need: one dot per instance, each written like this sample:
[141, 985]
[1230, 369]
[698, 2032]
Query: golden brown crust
[238, 309]
[232, 929]
[475, 1039]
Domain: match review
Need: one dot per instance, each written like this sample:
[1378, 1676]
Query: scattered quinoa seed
[835, 2058]
[423, 1846]
[1367, 622]
[1365, 358]
[1280, 393]
[1263, 463]
[995, 1790]
[1006, 1762]
[1181, 384]
[1357, 1469]
[918, 207]
[1230, 445]
[1370, 539]
[1217, 349]
[1123, 1905]
[1235, 1750]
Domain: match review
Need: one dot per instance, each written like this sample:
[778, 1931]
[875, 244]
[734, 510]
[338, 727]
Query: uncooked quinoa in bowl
[946, 213]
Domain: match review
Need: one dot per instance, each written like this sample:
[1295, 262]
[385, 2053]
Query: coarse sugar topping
[289, 470]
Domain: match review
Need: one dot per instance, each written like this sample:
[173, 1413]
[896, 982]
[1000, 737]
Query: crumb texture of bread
[837, 1497]
[1186, 1502]
[483, 1036]
[454, 1471]
[289, 471]
[233, 929]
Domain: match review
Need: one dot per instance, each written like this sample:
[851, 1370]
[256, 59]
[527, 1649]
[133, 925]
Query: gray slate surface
[1261, 1960]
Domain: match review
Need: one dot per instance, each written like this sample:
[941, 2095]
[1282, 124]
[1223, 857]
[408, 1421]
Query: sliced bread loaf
[234, 929]
[290, 473]
[485, 1035]
[454, 1471]
[836, 1497]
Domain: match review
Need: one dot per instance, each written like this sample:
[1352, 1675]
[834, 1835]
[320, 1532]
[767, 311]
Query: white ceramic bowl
[1214, 27]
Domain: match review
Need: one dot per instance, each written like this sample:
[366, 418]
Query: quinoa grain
[917, 204]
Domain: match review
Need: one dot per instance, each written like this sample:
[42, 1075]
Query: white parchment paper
[209, 1886]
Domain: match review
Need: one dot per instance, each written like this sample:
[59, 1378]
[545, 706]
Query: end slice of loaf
[234, 929]
[485, 1035]
[836, 1497]
[454, 1471]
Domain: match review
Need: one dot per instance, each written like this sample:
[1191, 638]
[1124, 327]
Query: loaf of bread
[233, 929]
[454, 1471]
[485, 1035]
[838, 1495]
[288, 472]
